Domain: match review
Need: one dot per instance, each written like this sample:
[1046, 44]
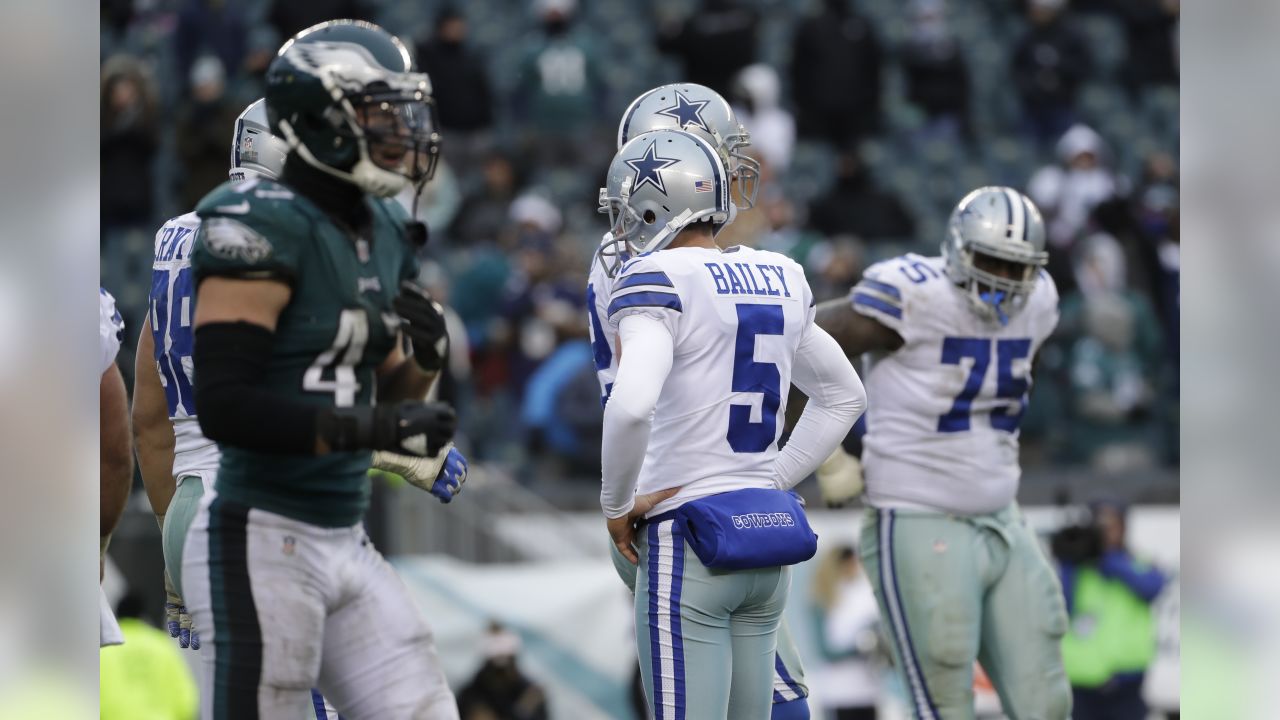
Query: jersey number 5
[340, 360]
[1007, 385]
[755, 377]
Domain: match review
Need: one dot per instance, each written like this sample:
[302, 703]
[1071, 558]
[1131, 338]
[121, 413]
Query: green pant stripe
[237, 635]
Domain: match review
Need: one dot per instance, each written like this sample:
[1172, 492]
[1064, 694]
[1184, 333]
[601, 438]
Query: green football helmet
[341, 94]
[386, 48]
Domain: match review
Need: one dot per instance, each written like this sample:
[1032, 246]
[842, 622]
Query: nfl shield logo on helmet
[247, 152]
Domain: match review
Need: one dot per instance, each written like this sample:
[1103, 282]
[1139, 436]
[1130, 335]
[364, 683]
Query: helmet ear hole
[649, 217]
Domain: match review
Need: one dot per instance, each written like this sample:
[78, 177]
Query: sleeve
[648, 352]
[1049, 314]
[643, 287]
[882, 297]
[239, 240]
[110, 329]
[836, 400]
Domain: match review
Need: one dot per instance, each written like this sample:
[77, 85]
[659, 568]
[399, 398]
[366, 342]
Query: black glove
[412, 428]
[422, 320]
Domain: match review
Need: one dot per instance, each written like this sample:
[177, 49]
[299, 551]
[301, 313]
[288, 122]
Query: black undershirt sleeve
[232, 406]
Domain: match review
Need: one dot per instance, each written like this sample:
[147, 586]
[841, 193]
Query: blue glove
[452, 474]
[177, 620]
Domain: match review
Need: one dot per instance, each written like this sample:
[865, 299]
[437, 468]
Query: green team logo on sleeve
[233, 240]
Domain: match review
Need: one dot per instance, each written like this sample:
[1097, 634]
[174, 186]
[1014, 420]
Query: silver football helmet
[700, 110]
[1000, 224]
[658, 184]
[255, 152]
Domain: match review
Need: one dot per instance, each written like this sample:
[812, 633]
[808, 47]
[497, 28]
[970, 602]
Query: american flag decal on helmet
[703, 186]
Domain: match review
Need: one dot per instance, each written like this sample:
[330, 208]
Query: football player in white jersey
[178, 463]
[707, 341]
[958, 574]
[115, 460]
[702, 111]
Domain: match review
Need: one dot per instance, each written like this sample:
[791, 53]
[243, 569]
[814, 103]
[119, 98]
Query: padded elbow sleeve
[232, 406]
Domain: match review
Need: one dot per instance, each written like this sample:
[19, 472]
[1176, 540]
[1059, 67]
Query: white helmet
[255, 152]
[658, 184]
[1000, 223]
[700, 110]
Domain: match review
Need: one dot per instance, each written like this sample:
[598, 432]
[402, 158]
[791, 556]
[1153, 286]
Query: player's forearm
[115, 452]
[152, 431]
[624, 439]
[155, 460]
[405, 381]
[836, 400]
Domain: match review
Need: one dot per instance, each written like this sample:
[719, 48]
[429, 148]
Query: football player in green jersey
[304, 288]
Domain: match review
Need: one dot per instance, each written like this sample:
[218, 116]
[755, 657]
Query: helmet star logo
[687, 112]
[647, 168]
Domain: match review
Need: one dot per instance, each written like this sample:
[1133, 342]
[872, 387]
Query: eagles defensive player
[958, 574]
[302, 286]
[703, 112]
[686, 313]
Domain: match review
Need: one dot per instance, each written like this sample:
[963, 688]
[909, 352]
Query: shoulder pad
[643, 282]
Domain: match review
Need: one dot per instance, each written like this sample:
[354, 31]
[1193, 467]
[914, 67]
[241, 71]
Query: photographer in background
[1111, 640]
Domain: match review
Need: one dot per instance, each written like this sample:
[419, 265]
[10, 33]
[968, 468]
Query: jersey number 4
[340, 360]
[1008, 386]
[755, 377]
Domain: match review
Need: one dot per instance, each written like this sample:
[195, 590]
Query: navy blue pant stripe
[677, 636]
[238, 637]
[898, 618]
[655, 645]
[786, 676]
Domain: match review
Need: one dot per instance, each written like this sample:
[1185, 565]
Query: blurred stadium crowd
[871, 118]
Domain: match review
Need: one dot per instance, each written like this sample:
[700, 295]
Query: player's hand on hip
[623, 529]
[422, 320]
[840, 478]
[441, 475]
[177, 619]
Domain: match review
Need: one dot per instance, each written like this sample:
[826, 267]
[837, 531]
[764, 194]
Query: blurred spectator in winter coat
[856, 206]
[206, 122]
[128, 144]
[835, 75]
[1151, 28]
[937, 78]
[1067, 192]
[713, 43]
[755, 96]
[1049, 64]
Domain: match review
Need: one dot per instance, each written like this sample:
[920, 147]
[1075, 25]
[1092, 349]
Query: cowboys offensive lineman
[703, 112]
[959, 576]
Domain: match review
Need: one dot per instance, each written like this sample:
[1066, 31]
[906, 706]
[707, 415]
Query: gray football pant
[788, 677]
[706, 639]
[954, 590]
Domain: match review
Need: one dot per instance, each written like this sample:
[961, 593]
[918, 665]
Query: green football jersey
[337, 329]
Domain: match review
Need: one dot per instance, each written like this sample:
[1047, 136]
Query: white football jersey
[736, 317]
[110, 330]
[171, 304]
[604, 335]
[943, 410]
